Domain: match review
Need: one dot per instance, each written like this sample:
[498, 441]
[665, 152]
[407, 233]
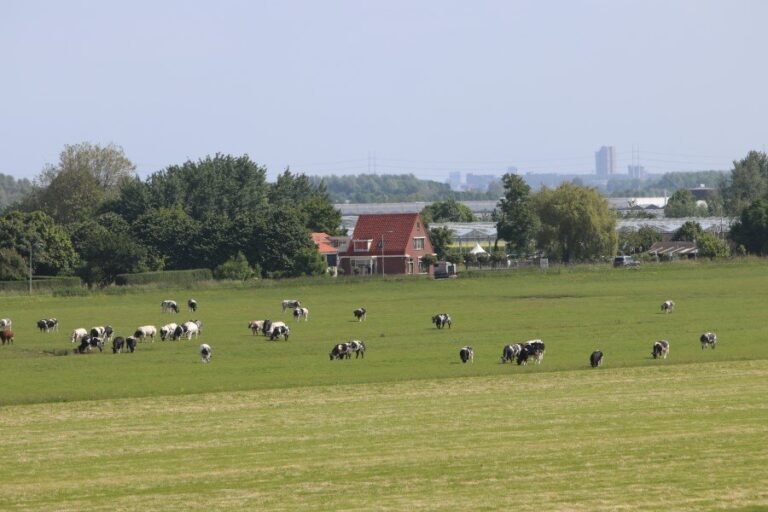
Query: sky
[423, 87]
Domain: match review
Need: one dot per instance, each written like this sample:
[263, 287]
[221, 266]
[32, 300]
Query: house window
[361, 245]
[418, 243]
[409, 269]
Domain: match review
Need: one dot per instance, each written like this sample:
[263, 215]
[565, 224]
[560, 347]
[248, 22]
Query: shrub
[235, 268]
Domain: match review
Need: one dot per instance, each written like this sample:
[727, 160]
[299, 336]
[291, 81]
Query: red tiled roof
[395, 228]
[322, 241]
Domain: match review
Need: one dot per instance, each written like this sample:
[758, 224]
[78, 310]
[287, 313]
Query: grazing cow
[269, 326]
[206, 352]
[48, 325]
[596, 359]
[509, 353]
[98, 332]
[169, 305]
[117, 344]
[167, 331]
[5, 322]
[279, 330]
[533, 349]
[192, 305]
[178, 333]
[660, 349]
[440, 320]
[359, 314]
[256, 326]
[192, 328]
[78, 334]
[467, 354]
[291, 304]
[667, 306]
[708, 339]
[340, 351]
[6, 336]
[130, 342]
[144, 332]
[356, 346]
[108, 332]
[88, 342]
[299, 313]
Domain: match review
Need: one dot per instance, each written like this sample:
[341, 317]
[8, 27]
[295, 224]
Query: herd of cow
[97, 337]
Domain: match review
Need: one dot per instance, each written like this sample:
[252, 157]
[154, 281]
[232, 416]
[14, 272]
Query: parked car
[625, 261]
[444, 269]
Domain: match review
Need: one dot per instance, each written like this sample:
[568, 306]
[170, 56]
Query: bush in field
[236, 268]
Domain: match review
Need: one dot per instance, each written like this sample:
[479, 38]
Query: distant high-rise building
[479, 182]
[605, 161]
[454, 180]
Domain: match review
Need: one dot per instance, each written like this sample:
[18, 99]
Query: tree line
[91, 216]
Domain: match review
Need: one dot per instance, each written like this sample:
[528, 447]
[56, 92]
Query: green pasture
[277, 426]
[574, 311]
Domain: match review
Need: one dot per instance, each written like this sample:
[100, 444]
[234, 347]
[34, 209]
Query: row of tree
[90, 215]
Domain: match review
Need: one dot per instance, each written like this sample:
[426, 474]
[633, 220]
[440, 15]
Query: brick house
[392, 243]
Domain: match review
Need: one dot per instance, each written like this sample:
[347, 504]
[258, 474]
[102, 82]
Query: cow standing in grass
[78, 334]
[6, 336]
[299, 313]
[509, 353]
[290, 304]
[596, 359]
[708, 339]
[206, 352]
[144, 332]
[359, 314]
[192, 305]
[48, 325]
[467, 354]
[441, 320]
[339, 351]
[667, 306]
[117, 344]
[358, 347]
[168, 306]
[533, 349]
[660, 349]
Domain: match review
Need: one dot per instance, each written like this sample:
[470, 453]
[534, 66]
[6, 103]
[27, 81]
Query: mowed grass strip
[574, 311]
[682, 437]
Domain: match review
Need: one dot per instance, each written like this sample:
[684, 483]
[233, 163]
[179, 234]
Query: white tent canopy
[477, 249]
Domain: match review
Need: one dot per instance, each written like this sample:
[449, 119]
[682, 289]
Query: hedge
[166, 276]
[41, 283]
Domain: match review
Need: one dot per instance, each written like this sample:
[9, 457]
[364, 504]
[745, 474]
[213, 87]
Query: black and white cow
[596, 359]
[5, 322]
[98, 331]
[88, 342]
[708, 339]
[168, 306]
[660, 349]
[340, 351]
[206, 352]
[667, 306]
[359, 314]
[178, 332]
[270, 326]
[192, 328]
[117, 344]
[291, 304]
[533, 349]
[467, 354]
[192, 305]
[166, 331]
[130, 343]
[441, 320]
[144, 332]
[48, 325]
[299, 313]
[78, 334]
[256, 325]
[279, 330]
[108, 331]
[509, 352]
[358, 347]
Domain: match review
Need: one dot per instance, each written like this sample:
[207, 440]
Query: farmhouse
[384, 244]
[329, 251]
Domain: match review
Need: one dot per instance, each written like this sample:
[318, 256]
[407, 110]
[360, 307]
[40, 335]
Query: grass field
[277, 426]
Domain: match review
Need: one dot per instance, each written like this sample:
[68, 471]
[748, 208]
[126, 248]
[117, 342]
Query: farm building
[384, 244]
[673, 250]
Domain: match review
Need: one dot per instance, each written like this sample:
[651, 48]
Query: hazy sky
[425, 86]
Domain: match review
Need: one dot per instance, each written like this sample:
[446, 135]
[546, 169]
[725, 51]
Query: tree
[168, 234]
[576, 223]
[688, 232]
[52, 251]
[274, 239]
[712, 247]
[308, 262]
[73, 195]
[449, 210]
[236, 268]
[751, 230]
[747, 183]
[683, 204]
[12, 266]
[311, 201]
[108, 164]
[516, 219]
[441, 239]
